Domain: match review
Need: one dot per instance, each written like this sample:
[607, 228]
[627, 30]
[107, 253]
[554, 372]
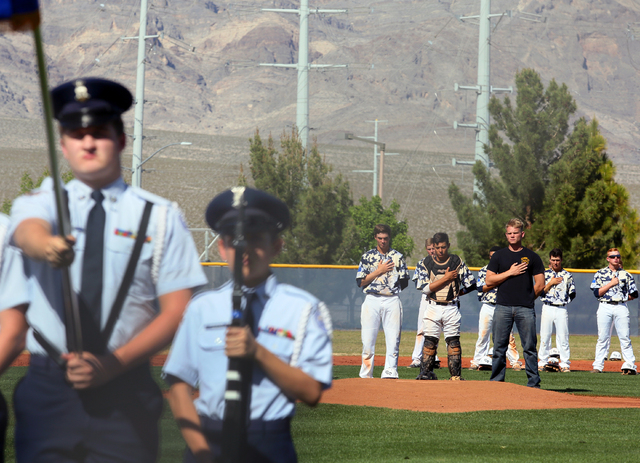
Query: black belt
[433, 301]
[613, 302]
[558, 305]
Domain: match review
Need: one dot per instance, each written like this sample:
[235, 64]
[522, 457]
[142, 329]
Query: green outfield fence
[336, 286]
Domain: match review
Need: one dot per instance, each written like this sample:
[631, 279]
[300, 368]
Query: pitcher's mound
[459, 396]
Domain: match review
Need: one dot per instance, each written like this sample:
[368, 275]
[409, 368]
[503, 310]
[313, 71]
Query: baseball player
[382, 274]
[559, 290]
[442, 280]
[487, 295]
[613, 287]
[416, 356]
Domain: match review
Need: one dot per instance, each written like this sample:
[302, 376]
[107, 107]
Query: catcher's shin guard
[454, 352]
[429, 349]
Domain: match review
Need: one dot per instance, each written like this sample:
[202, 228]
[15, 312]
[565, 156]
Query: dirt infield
[447, 396]
[459, 396]
[463, 396]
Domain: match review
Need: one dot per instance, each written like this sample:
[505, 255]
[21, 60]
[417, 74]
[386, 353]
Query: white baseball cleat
[389, 373]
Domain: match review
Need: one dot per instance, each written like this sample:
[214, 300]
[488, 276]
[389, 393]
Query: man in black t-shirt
[519, 274]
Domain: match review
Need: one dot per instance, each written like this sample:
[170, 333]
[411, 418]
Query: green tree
[559, 182]
[586, 212]
[535, 130]
[281, 173]
[366, 216]
[27, 184]
[319, 202]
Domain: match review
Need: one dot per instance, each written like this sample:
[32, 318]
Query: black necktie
[249, 299]
[91, 289]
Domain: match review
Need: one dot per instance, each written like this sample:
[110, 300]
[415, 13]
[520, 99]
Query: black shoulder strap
[51, 350]
[128, 275]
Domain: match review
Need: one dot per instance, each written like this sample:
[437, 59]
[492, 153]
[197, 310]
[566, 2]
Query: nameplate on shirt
[129, 234]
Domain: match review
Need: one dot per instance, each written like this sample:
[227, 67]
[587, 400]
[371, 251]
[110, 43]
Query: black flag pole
[236, 412]
[72, 313]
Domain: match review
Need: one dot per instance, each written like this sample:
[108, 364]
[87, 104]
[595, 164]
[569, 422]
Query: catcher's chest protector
[437, 270]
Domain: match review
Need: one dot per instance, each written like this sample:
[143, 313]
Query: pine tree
[586, 211]
[560, 183]
[534, 130]
[319, 202]
[366, 216]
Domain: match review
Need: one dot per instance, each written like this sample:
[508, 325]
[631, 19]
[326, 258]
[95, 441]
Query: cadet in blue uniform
[13, 303]
[100, 404]
[289, 342]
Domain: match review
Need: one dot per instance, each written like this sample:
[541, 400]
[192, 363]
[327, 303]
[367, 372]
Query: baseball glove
[552, 366]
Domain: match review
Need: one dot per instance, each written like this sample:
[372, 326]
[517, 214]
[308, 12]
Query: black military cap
[263, 212]
[90, 101]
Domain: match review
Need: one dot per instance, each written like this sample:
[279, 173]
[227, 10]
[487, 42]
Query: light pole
[350, 136]
[139, 166]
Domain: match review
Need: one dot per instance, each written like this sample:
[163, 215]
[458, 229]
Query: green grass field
[332, 433]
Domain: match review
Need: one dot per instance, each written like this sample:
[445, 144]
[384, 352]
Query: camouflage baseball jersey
[490, 296]
[619, 293]
[387, 284]
[416, 272]
[561, 293]
[428, 270]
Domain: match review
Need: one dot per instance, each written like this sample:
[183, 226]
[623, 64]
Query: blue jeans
[525, 319]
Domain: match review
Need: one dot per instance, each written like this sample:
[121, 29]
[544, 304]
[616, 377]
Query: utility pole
[483, 87]
[136, 172]
[375, 157]
[303, 66]
[351, 136]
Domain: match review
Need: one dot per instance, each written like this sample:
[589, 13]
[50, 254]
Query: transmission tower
[483, 88]
[303, 66]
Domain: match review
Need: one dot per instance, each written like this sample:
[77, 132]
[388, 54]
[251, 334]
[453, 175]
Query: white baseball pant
[416, 356]
[388, 311]
[609, 315]
[558, 315]
[440, 318]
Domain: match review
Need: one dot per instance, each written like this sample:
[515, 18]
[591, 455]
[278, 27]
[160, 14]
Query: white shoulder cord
[3, 232]
[159, 245]
[302, 328]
